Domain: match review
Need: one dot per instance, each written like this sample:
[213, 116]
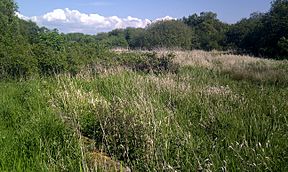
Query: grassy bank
[215, 112]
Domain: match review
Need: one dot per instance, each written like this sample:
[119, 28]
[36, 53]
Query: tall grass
[198, 119]
[33, 138]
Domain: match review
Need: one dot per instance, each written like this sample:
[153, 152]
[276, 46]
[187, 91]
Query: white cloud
[56, 15]
[21, 16]
[164, 18]
[67, 21]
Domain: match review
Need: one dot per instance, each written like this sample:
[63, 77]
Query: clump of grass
[32, 137]
[124, 134]
[260, 72]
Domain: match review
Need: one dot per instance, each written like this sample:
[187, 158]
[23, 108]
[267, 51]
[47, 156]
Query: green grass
[33, 138]
[197, 119]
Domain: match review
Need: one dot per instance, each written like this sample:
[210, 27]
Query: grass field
[218, 112]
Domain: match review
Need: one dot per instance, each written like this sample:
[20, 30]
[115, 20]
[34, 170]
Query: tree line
[27, 49]
[262, 34]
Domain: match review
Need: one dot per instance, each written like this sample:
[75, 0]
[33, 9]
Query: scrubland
[167, 111]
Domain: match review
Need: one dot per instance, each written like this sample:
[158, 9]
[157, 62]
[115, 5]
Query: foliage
[169, 34]
[208, 28]
[150, 63]
[30, 31]
[283, 45]
[275, 28]
[115, 42]
[50, 53]
[263, 34]
[15, 51]
[114, 39]
[135, 37]
[79, 37]
[236, 36]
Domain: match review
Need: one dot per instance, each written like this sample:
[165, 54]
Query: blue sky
[228, 11]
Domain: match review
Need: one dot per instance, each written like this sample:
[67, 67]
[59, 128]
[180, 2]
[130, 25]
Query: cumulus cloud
[67, 21]
[22, 16]
[164, 19]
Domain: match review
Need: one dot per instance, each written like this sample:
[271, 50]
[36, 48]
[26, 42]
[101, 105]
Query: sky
[94, 16]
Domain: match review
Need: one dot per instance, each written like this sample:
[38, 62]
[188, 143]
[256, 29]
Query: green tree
[210, 30]
[283, 46]
[169, 34]
[29, 30]
[80, 38]
[50, 52]
[275, 29]
[263, 34]
[113, 39]
[16, 58]
[135, 37]
[241, 36]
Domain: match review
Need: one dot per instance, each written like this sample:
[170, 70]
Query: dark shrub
[151, 63]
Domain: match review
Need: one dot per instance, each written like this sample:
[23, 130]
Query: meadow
[163, 111]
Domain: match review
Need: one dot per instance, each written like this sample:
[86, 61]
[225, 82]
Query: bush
[149, 62]
[17, 64]
[49, 61]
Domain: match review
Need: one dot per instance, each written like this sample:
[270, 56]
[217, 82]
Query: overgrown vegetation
[32, 136]
[200, 118]
[27, 50]
[68, 103]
